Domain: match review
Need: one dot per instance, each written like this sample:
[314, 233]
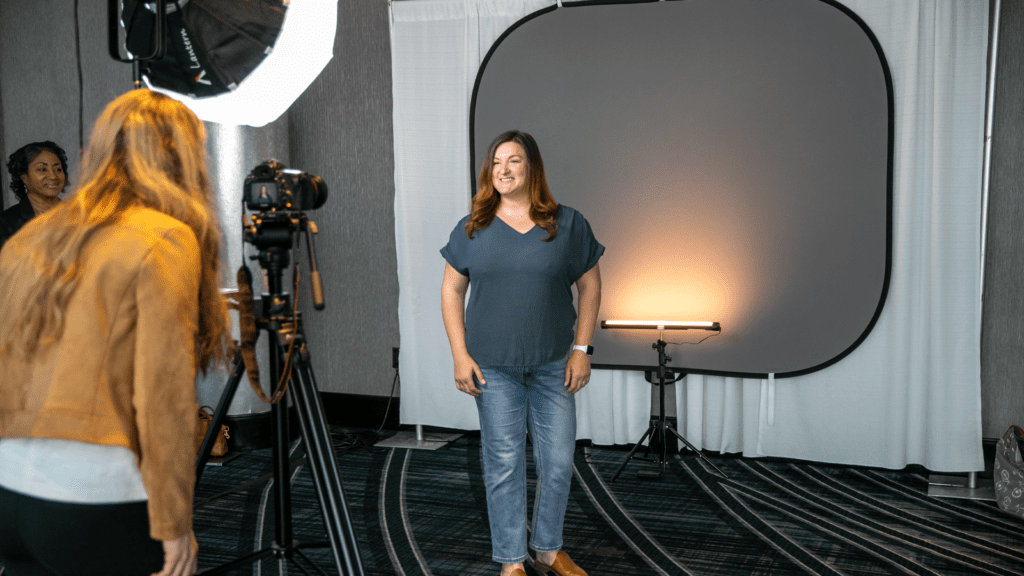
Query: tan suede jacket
[123, 372]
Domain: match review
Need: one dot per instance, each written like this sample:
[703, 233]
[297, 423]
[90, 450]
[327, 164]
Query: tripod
[658, 428]
[287, 342]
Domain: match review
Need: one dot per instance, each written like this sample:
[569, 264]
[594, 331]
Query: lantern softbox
[212, 45]
[230, 61]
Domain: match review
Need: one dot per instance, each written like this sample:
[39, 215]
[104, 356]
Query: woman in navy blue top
[519, 348]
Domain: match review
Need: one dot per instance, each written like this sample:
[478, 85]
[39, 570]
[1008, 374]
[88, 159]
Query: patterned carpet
[419, 512]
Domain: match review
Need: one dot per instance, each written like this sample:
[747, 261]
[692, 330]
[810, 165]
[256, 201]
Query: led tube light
[660, 325]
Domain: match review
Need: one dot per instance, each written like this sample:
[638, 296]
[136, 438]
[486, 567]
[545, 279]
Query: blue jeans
[512, 401]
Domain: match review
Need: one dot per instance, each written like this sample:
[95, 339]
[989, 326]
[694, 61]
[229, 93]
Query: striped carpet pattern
[418, 512]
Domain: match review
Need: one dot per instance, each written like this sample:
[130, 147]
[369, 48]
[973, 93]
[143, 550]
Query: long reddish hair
[543, 208]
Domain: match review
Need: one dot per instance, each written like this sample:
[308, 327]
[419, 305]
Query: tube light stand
[658, 430]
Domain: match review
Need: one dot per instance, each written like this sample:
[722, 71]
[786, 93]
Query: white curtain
[909, 394]
[436, 49]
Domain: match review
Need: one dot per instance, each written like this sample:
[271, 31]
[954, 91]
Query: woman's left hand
[180, 556]
[577, 371]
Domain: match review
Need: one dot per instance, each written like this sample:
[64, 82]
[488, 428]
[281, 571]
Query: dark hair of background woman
[18, 161]
[543, 208]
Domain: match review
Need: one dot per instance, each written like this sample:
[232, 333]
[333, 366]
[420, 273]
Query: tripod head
[278, 196]
[273, 234]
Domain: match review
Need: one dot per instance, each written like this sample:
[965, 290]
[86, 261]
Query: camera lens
[314, 192]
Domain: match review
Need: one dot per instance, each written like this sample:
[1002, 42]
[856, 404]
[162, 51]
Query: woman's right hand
[465, 369]
[453, 309]
[180, 556]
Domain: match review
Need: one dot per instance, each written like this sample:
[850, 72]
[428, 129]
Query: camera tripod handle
[314, 274]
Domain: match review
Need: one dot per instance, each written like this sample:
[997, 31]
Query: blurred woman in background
[38, 176]
[110, 305]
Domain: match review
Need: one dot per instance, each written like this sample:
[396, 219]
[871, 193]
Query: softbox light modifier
[241, 62]
[212, 45]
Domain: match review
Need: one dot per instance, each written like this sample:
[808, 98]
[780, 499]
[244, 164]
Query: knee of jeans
[501, 476]
[498, 471]
[502, 444]
[557, 464]
[504, 455]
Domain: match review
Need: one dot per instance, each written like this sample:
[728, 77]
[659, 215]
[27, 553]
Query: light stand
[659, 428]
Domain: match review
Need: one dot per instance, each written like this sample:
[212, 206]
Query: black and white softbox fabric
[234, 61]
[212, 45]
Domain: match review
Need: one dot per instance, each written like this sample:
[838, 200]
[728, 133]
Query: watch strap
[588, 350]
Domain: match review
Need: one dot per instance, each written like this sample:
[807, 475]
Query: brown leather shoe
[563, 566]
[518, 572]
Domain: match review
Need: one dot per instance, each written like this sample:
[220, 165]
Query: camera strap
[248, 334]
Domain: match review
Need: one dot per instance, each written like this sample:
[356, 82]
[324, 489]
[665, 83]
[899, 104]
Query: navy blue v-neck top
[520, 310]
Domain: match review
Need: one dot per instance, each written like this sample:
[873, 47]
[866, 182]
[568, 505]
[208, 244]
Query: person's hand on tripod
[180, 556]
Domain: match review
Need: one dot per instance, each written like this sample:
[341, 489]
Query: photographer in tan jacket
[110, 305]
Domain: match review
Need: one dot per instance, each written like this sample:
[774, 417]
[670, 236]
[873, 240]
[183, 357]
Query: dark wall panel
[341, 129]
[40, 70]
[1002, 336]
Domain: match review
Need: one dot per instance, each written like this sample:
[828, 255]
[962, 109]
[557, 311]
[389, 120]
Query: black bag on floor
[1008, 472]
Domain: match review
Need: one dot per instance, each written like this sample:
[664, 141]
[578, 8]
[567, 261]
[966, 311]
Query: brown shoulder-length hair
[543, 208]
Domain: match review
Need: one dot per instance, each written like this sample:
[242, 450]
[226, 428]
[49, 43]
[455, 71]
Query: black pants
[46, 538]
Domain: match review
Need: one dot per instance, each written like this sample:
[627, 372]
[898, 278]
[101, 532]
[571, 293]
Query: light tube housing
[660, 325]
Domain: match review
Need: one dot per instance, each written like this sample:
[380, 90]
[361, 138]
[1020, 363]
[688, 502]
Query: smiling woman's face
[509, 169]
[45, 178]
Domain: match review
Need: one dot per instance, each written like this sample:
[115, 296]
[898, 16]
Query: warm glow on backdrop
[731, 155]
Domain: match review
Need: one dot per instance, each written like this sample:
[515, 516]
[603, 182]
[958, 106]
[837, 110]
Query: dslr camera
[271, 187]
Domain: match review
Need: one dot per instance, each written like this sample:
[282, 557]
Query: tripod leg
[636, 446]
[230, 566]
[218, 415]
[326, 476]
[282, 483]
[699, 453]
[299, 553]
